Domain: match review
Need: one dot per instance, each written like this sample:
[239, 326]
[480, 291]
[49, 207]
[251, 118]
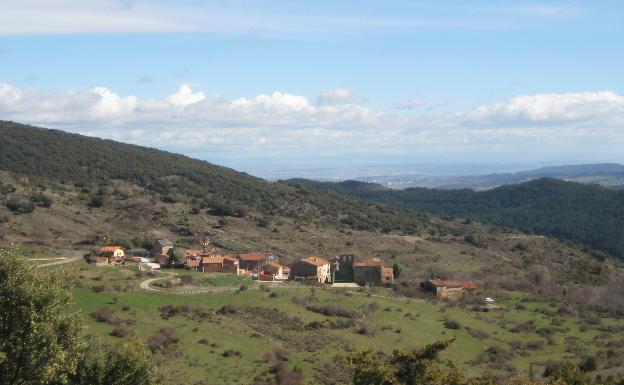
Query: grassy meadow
[224, 336]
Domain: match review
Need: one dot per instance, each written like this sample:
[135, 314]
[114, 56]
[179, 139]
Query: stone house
[272, 271]
[367, 272]
[311, 268]
[253, 261]
[162, 246]
[450, 290]
[217, 263]
[231, 264]
[387, 276]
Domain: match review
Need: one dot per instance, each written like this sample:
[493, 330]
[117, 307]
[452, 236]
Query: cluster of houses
[258, 265]
[345, 268]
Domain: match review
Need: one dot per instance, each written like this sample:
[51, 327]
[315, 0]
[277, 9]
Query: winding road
[147, 286]
[74, 256]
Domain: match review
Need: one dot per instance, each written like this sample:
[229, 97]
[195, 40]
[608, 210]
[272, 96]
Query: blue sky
[276, 83]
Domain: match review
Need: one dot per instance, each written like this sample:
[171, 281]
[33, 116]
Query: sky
[266, 84]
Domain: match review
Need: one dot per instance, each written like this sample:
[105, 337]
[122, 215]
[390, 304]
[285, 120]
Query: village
[345, 270]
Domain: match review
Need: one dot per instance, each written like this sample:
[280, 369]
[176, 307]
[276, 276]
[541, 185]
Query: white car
[489, 300]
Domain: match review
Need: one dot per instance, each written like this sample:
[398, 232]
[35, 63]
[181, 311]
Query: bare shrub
[164, 342]
[333, 310]
[477, 333]
[120, 332]
[276, 353]
[365, 329]
[105, 314]
[232, 353]
[451, 324]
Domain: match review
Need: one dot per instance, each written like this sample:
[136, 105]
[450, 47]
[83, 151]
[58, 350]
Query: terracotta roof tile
[212, 260]
[253, 257]
[111, 248]
[375, 262]
[313, 260]
[466, 285]
[387, 272]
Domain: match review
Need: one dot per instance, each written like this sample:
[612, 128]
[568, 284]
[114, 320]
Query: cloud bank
[336, 123]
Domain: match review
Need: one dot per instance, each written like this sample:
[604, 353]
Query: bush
[96, 201]
[164, 341]
[276, 353]
[589, 364]
[19, 205]
[396, 270]
[227, 309]
[120, 332]
[472, 239]
[232, 353]
[106, 315]
[42, 200]
[451, 324]
[333, 310]
[187, 280]
[365, 329]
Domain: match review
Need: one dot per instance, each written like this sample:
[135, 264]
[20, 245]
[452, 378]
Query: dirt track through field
[74, 256]
[147, 286]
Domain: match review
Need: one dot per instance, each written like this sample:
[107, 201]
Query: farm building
[311, 268]
[367, 272]
[253, 261]
[162, 246]
[272, 271]
[451, 290]
[387, 276]
[114, 255]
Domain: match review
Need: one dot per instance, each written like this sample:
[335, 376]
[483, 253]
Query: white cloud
[338, 96]
[603, 106]
[411, 104]
[185, 96]
[278, 123]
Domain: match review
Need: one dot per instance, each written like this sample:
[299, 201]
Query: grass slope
[526, 331]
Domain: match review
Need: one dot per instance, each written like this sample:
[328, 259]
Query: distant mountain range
[606, 174]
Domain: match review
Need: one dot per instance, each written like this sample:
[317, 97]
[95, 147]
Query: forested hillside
[90, 164]
[585, 214]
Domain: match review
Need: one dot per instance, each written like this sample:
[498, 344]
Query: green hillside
[56, 158]
[585, 214]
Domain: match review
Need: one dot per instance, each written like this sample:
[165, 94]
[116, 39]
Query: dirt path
[74, 256]
[147, 286]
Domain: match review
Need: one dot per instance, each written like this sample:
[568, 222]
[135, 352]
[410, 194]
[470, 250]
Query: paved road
[73, 256]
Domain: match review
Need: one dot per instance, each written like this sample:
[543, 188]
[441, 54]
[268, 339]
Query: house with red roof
[272, 271]
[111, 256]
[450, 290]
[387, 276]
[311, 268]
[254, 261]
[368, 272]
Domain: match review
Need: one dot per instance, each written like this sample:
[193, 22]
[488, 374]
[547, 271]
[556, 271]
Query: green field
[226, 346]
